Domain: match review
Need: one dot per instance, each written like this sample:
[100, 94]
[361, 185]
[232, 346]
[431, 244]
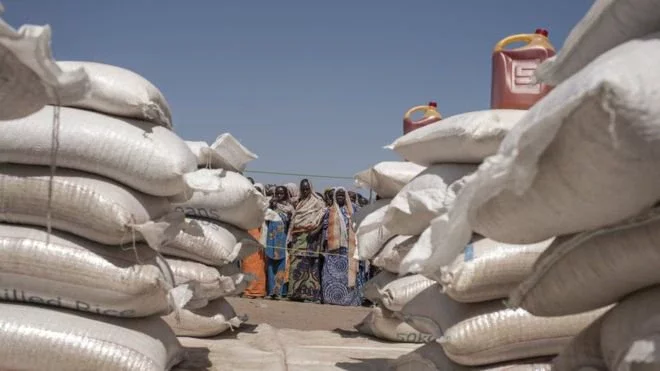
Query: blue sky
[314, 87]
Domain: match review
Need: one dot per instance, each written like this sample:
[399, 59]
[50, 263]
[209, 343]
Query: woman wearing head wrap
[304, 246]
[342, 277]
[294, 193]
[255, 264]
[277, 231]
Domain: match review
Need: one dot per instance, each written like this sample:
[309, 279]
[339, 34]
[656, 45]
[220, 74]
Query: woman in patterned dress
[275, 248]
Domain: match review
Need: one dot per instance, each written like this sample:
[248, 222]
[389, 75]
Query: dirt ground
[299, 316]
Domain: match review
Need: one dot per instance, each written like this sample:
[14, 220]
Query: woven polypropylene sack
[119, 91]
[373, 288]
[389, 258]
[207, 281]
[465, 138]
[230, 153]
[396, 294]
[511, 334]
[387, 178]
[40, 338]
[215, 318]
[562, 169]
[428, 195]
[593, 269]
[211, 242]
[607, 24]
[381, 324]
[488, 270]
[583, 352]
[370, 233]
[86, 205]
[224, 196]
[630, 333]
[79, 274]
[30, 77]
[144, 156]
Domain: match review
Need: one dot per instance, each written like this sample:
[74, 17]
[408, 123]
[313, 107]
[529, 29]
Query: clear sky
[315, 87]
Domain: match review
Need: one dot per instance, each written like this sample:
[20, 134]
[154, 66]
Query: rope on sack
[54, 150]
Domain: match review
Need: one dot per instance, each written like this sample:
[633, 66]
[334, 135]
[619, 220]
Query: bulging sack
[583, 352]
[606, 25]
[562, 169]
[370, 233]
[142, 155]
[593, 269]
[121, 92]
[55, 339]
[396, 294]
[465, 138]
[374, 287]
[224, 196]
[389, 258]
[207, 283]
[387, 178]
[215, 318]
[488, 270]
[86, 205]
[225, 153]
[511, 334]
[383, 325]
[428, 195]
[211, 242]
[74, 273]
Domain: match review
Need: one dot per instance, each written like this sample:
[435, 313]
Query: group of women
[309, 248]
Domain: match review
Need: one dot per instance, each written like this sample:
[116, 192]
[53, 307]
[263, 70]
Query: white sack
[373, 288]
[40, 338]
[593, 269]
[606, 25]
[388, 177]
[389, 258]
[211, 242]
[427, 196]
[207, 283]
[224, 196]
[30, 77]
[369, 231]
[121, 92]
[141, 155]
[583, 352]
[396, 294]
[79, 274]
[381, 324]
[225, 153]
[465, 138]
[86, 205]
[568, 166]
[488, 270]
[215, 318]
[511, 334]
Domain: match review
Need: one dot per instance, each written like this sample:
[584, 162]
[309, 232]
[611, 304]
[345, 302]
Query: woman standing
[277, 231]
[341, 276]
[255, 264]
[304, 246]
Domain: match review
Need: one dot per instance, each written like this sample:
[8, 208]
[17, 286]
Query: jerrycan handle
[528, 38]
[413, 110]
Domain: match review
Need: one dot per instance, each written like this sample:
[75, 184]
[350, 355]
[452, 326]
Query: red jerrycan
[430, 116]
[513, 84]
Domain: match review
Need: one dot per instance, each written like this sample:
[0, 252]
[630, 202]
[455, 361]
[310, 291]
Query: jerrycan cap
[541, 31]
[433, 104]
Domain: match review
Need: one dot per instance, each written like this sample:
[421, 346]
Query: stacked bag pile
[574, 184]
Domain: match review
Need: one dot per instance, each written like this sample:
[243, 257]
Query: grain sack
[583, 352]
[211, 242]
[396, 294]
[225, 153]
[368, 224]
[388, 177]
[593, 269]
[121, 92]
[464, 138]
[30, 77]
[206, 282]
[373, 288]
[432, 312]
[389, 258]
[141, 155]
[562, 169]
[428, 195]
[607, 24]
[488, 270]
[217, 317]
[381, 324]
[511, 334]
[40, 338]
[224, 196]
[74, 273]
[86, 205]
[629, 335]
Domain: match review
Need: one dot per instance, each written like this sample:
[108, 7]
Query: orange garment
[255, 264]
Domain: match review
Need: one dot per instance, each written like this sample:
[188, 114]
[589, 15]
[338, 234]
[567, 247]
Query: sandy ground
[299, 316]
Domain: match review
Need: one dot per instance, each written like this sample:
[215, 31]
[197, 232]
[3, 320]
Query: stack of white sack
[225, 153]
[104, 185]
